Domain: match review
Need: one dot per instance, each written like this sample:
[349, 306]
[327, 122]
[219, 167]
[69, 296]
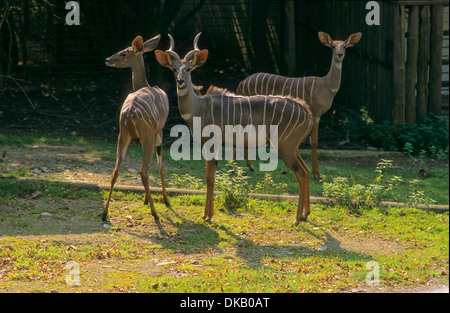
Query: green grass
[254, 248]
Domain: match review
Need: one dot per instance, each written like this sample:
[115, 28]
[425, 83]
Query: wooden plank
[398, 113]
[422, 68]
[176, 192]
[411, 65]
[437, 21]
[289, 36]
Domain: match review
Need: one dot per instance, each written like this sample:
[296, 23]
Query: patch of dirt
[72, 164]
[365, 244]
[36, 217]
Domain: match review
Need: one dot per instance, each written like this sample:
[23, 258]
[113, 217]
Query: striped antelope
[221, 109]
[318, 92]
[142, 117]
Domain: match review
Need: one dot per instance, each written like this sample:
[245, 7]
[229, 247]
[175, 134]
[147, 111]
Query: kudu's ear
[137, 44]
[325, 39]
[163, 58]
[353, 39]
[200, 58]
[152, 43]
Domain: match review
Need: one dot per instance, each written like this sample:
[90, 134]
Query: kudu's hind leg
[298, 167]
[161, 168]
[147, 146]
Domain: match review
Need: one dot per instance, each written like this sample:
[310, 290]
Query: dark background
[53, 77]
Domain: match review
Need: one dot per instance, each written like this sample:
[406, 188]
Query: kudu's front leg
[211, 167]
[122, 145]
[314, 140]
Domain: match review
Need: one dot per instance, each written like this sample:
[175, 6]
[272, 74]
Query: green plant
[418, 196]
[234, 187]
[267, 185]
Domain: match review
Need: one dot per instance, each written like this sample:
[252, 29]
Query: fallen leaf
[36, 194]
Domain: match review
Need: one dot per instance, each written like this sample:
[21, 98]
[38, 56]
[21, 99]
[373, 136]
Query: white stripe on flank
[256, 82]
[161, 103]
[135, 128]
[250, 112]
[240, 118]
[142, 117]
[290, 89]
[137, 104]
[274, 81]
[273, 114]
[298, 80]
[298, 117]
[248, 83]
[267, 85]
[284, 86]
[282, 111]
[264, 114]
[262, 83]
[304, 119]
[152, 109]
[290, 120]
[153, 95]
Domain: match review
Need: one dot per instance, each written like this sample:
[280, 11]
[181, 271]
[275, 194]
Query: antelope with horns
[292, 117]
[142, 117]
[318, 92]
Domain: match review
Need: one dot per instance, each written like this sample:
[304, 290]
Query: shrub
[429, 138]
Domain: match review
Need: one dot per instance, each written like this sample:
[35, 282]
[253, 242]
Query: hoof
[297, 221]
[206, 218]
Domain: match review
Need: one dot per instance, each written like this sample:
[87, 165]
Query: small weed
[267, 185]
[185, 181]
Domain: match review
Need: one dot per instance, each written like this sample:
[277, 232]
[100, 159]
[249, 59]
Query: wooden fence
[418, 79]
